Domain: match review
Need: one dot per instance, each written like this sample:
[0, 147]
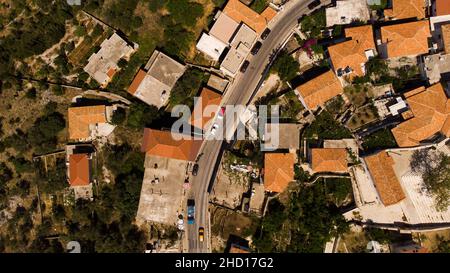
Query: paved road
[240, 92]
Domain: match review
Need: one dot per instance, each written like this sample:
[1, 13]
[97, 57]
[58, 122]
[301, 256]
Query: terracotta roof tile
[383, 175]
[320, 89]
[406, 39]
[239, 12]
[278, 171]
[352, 52]
[446, 37]
[442, 7]
[431, 110]
[269, 13]
[161, 143]
[402, 9]
[208, 98]
[137, 81]
[81, 117]
[329, 160]
[79, 170]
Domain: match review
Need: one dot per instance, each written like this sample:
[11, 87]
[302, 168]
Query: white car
[214, 129]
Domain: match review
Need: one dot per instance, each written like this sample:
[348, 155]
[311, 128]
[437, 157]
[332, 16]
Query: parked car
[214, 129]
[256, 48]
[221, 112]
[190, 211]
[201, 234]
[195, 169]
[265, 33]
[244, 66]
[313, 4]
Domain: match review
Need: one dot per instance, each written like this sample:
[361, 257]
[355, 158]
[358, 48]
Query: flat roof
[218, 83]
[103, 65]
[233, 61]
[245, 36]
[345, 12]
[288, 136]
[153, 84]
[211, 46]
[224, 28]
[240, 48]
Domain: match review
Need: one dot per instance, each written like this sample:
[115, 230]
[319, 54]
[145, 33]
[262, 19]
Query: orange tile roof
[442, 7]
[402, 9]
[278, 171]
[352, 53]
[239, 12]
[111, 72]
[406, 39]
[161, 143]
[446, 37]
[79, 170]
[431, 110]
[269, 13]
[81, 117]
[137, 81]
[385, 180]
[320, 89]
[329, 160]
[208, 98]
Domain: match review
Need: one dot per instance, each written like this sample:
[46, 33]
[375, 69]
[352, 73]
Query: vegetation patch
[304, 224]
[326, 127]
[381, 139]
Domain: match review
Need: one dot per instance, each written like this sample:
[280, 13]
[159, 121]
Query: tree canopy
[434, 167]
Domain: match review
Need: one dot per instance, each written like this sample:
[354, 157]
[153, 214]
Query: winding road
[239, 93]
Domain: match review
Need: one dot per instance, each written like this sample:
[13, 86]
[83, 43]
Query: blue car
[191, 211]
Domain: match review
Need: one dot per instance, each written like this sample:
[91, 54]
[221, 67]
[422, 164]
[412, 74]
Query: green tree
[141, 115]
[286, 66]
[119, 116]
[434, 167]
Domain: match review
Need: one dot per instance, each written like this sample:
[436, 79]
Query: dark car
[256, 48]
[195, 170]
[313, 4]
[245, 66]
[265, 33]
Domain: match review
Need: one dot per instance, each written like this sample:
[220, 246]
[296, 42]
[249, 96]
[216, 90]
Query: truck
[190, 211]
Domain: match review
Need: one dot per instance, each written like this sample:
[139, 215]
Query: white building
[211, 46]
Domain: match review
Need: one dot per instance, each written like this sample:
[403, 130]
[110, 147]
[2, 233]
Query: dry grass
[429, 239]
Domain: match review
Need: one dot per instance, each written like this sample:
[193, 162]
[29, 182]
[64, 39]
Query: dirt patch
[226, 222]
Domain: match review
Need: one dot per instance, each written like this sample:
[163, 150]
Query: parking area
[162, 191]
